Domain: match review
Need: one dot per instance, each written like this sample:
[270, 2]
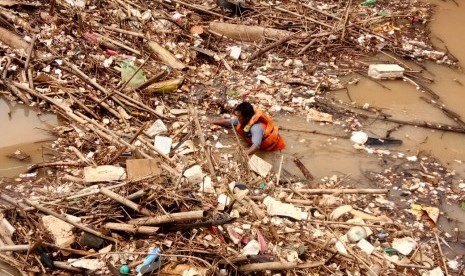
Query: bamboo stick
[63, 218]
[170, 218]
[133, 138]
[298, 15]
[164, 86]
[202, 141]
[131, 228]
[270, 46]
[166, 56]
[136, 34]
[276, 266]
[443, 259]
[341, 191]
[118, 43]
[126, 202]
[200, 9]
[304, 202]
[19, 247]
[136, 195]
[66, 266]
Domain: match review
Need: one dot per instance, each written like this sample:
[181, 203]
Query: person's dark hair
[246, 109]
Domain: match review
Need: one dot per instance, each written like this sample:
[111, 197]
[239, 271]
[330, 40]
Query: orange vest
[271, 138]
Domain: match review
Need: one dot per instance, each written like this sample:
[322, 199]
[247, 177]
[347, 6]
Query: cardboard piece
[138, 168]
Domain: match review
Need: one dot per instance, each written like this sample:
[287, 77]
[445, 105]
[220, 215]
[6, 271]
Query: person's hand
[214, 127]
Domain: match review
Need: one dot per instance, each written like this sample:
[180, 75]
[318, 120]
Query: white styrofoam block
[259, 165]
[194, 174]
[163, 144]
[235, 52]
[156, 128]
[385, 71]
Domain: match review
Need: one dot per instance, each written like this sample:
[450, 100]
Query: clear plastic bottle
[146, 266]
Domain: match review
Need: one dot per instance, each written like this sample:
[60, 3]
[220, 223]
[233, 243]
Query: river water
[22, 129]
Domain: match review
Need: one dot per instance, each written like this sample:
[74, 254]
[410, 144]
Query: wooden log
[340, 191]
[166, 56]
[14, 41]
[126, 202]
[17, 20]
[247, 33]
[131, 228]
[170, 218]
[14, 202]
[70, 221]
[164, 86]
[303, 169]
[18, 93]
[276, 266]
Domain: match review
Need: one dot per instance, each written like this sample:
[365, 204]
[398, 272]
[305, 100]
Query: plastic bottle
[151, 258]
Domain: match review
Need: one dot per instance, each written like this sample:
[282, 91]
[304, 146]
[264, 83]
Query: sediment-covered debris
[137, 175]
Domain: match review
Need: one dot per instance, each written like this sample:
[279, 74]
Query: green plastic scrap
[462, 205]
[383, 13]
[233, 93]
[127, 70]
[301, 249]
[368, 3]
[391, 251]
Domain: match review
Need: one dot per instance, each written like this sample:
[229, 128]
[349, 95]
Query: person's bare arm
[253, 148]
[221, 122]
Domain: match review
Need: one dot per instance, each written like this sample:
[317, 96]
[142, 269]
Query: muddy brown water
[324, 155]
[22, 129]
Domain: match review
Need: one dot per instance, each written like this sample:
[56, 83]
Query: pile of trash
[137, 182]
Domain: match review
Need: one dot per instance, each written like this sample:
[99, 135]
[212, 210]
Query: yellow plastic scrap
[386, 28]
[419, 210]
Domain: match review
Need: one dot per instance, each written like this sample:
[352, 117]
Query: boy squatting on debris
[256, 127]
